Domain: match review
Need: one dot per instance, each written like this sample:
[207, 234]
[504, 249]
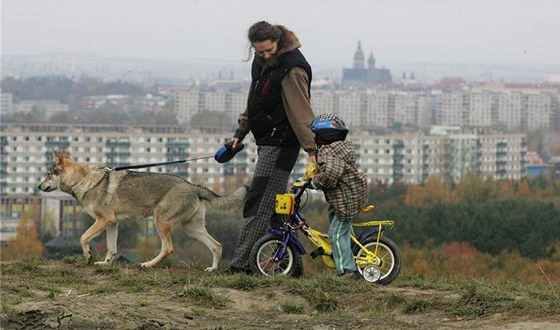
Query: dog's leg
[98, 226]
[112, 235]
[195, 229]
[163, 227]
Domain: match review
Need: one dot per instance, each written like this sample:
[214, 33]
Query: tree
[471, 190]
[415, 196]
[523, 189]
[554, 143]
[26, 243]
[461, 258]
[504, 189]
[433, 191]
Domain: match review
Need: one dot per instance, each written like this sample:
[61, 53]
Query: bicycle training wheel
[263, 253]
[389, 254]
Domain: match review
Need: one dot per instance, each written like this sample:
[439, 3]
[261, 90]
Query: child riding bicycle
[345, 188]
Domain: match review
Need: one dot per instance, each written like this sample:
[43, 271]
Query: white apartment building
[508, 109]
[408, 158]
[406, 108]
[480, 109]
[539, 110]
[26, 151]
[127, 103]
[49, 107]
[189, 102]
[379, 111]
[463, 156]
[451, 109]
[236, 103]
[411, 157]
[426, 111]
[6, 103]
[324, 102]
[502, 156]
[412, 109]
[350, 108]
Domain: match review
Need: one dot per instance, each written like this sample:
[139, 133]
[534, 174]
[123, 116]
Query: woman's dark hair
[262, 31]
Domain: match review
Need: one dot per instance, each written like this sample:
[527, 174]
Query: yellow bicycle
[377, 257]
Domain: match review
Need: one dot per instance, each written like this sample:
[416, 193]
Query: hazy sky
[469, 31]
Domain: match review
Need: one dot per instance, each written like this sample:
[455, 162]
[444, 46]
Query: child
[344, 187]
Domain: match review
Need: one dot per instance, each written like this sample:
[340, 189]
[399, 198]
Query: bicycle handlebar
[304, 186]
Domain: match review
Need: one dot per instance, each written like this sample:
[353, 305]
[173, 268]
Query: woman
[278, 114]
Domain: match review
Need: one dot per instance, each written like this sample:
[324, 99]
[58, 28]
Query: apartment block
[350, 107]
[539, 110]
[6, 103]
[26, 151]
[48, 107]
[189, 102]
[451, 156]
[511, 110]
[502, 156]
[447, 153]
[481, 109]
[451, 109]
[127, 103]
[514, 110]
[324, 102]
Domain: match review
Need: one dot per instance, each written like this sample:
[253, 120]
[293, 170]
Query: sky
[470, 31]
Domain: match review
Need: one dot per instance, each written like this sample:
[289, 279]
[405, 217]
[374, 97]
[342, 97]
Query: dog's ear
[56, 156]
[59, 156]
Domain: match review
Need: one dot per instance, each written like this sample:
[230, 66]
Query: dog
[110, 196]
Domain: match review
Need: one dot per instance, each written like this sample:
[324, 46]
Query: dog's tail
[235, 200]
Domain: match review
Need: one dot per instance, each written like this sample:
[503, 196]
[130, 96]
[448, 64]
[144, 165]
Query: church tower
[371, 61]
[359, 58]
[362, 77]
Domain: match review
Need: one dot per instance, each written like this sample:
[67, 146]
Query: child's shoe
[351, 275]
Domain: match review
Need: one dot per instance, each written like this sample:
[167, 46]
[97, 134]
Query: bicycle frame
[297, 222]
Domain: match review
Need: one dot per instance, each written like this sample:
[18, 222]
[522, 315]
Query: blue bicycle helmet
[328, 128]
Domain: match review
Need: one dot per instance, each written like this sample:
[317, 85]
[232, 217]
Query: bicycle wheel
[263, 253]
[389, 254]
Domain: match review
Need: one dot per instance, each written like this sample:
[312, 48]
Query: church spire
[359, 57]
[371, 61]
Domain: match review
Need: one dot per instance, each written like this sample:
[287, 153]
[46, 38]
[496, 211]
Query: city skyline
[148, 72]
[402, 35]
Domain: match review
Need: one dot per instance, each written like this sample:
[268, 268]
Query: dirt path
[76, 296]
[248, 310]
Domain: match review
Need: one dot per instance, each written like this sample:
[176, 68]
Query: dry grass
[321, 295]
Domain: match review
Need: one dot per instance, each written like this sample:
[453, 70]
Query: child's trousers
[339, 235]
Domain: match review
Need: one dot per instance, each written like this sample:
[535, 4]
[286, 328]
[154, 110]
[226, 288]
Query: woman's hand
[235, 143]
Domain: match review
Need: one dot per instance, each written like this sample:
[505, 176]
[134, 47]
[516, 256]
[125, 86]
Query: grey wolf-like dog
[110, 196]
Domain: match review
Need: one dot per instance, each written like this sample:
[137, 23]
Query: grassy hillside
[71, 294]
